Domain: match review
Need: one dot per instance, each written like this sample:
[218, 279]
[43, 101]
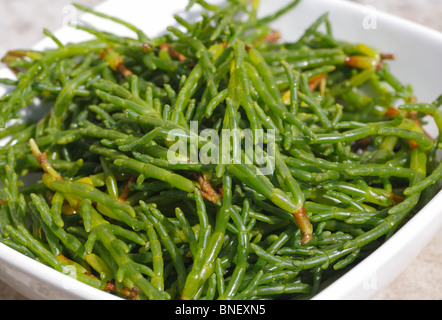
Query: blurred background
[21, 25]
[21, 21]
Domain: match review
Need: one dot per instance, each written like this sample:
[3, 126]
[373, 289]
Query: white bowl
[418, 51]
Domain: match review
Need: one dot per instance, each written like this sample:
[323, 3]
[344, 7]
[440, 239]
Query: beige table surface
[21, 22]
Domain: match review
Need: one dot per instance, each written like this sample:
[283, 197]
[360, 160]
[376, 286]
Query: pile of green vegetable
[351, 164]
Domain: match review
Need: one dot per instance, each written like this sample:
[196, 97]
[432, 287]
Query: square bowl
[418, 51]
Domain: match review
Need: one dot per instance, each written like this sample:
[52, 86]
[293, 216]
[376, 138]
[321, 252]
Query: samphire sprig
[351, 159]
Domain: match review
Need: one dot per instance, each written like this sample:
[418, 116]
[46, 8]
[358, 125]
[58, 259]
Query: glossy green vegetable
[338, 160]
